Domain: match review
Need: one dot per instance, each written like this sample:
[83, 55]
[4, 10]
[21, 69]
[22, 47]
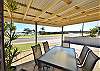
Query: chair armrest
[78, 61]
[76, 55]
[80, 66]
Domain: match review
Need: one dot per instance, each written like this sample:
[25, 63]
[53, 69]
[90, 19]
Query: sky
[77, 27]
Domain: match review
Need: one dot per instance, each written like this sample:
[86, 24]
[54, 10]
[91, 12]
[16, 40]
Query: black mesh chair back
[90, 61]
[46, 46]
[83, 54]
[36, 52]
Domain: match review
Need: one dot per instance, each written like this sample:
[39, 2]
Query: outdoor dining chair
[83, 54]
[46, 46]
[36, 53]
[90, 62]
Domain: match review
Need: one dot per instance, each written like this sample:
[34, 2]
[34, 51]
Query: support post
[35, 32]
[2, 58]
[62, 37]
[82, 28]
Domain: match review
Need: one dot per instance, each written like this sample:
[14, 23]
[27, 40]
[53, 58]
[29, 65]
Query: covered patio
[56, 13]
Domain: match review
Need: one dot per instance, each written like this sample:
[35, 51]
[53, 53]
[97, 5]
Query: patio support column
[35, 32]
[2, 58]
[82, 28]
[62, 37]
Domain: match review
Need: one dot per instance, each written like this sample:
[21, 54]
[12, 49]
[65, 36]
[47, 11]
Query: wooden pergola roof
[56, 12]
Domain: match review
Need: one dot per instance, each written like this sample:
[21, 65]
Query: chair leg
[40, 67]
[34, 67]
[43, 69]
[48, 69]
[52, 69]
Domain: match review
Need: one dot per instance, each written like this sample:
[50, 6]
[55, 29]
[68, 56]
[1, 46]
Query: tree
[42, 29]
[9, 28]
[93, 32]
[27, 31]
[42, 32]
[10, 51]
[33, 30]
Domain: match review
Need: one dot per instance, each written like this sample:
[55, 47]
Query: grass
[27, 46]
[26, 36]
[23, 47]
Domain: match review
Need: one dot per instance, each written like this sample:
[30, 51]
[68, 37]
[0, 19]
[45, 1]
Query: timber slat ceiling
[56, 12]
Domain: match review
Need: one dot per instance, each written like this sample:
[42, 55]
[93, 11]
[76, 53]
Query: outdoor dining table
[60, 57]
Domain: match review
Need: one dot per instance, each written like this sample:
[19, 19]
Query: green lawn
[26, 36]
[23, 47]
[27, 46]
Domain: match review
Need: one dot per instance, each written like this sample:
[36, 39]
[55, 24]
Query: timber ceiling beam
[7, 9]
[81, 12]
[93, 16]
[85, 12]
[64, 11]
[28, 6]
[47, 8]
[24, 5]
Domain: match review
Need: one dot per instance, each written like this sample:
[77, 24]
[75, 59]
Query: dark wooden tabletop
[61, 58]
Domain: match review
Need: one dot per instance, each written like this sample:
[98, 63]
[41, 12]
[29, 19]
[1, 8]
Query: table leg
[39, 66]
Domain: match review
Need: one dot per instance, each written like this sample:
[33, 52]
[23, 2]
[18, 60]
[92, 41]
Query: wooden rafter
[64, 11]
[85, 16]
[56, 12]
[69, 8]
[68, 1]
[87, 10]
[28, 6]
[24, 5]
[19, 20]
[79, 17]
[48, 7]
[7, 9]
[21, 14]
[80, 12]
